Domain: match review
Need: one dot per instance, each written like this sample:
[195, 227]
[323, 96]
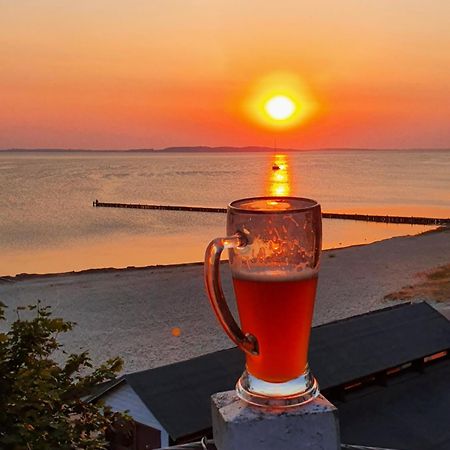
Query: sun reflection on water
[279, 180]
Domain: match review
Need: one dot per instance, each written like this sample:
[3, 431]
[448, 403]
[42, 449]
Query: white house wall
[123, 398]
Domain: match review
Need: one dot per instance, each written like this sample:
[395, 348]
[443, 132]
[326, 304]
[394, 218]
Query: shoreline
[27, 276]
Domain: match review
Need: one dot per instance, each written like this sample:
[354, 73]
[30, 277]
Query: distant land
[206, 149]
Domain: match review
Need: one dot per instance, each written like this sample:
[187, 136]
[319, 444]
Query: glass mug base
[292, 393]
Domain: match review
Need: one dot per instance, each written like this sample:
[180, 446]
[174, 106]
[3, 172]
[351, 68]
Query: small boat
[275, 167]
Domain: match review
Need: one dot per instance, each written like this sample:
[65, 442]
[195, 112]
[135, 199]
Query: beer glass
[274, 246]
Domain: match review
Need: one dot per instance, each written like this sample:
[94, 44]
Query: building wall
[124, 398]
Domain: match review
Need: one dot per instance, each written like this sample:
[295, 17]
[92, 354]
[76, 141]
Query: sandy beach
[131, 313]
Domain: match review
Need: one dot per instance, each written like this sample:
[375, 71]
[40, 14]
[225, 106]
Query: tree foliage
[41, 404]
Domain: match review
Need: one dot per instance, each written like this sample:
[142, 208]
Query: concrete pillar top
[238, 425]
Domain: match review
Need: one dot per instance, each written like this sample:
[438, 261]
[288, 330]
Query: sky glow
[111, 74]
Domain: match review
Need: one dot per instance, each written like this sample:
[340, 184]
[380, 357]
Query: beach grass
[434, 285]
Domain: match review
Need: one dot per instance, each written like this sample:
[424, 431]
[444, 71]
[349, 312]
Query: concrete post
[238, 425]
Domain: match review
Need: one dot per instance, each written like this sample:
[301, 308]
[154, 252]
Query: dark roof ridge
[368, 313]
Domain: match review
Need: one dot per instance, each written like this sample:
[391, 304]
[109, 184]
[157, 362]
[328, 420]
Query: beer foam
[266, 205]
[274, 204]
[267, 275]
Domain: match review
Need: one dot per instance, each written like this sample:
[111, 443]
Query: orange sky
[115, 74]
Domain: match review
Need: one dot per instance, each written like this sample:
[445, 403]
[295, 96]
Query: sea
[48, 223]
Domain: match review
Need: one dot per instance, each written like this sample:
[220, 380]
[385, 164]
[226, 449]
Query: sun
[280, 101]
[280, 107]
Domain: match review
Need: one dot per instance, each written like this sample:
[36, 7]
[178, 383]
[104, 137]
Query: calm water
[48, 224]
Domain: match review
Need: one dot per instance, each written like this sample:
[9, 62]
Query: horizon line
[206, 148]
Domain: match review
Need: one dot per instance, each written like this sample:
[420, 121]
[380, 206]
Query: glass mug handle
[247, 342]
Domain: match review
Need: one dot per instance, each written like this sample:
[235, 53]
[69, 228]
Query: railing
[205, 444]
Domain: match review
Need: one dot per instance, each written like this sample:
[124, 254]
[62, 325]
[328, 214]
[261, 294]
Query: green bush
[41, 404]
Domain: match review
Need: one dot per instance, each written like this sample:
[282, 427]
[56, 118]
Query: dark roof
[101, 388]
[353, 348]
[411, 412]
[340, 352]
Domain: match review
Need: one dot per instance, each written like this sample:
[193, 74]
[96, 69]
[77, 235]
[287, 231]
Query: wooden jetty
[326, 215]
[163, 207]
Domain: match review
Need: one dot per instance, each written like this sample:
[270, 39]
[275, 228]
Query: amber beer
[279, 311]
